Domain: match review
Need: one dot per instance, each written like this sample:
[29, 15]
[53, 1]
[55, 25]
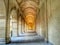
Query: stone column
[7, 36]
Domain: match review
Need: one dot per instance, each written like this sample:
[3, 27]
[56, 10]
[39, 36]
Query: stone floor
[27, 40]
[31, 38]
[30, 43]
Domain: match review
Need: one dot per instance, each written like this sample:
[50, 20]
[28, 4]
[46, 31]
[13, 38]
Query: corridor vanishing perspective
[26, 22]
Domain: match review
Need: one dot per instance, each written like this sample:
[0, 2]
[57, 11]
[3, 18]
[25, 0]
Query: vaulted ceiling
[28, 9]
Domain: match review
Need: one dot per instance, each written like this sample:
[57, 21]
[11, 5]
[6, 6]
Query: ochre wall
[2, 19]
[54, 22]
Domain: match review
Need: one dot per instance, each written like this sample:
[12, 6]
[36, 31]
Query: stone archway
[29, 11]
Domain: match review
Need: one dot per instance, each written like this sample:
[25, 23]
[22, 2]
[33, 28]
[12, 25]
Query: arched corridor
[29, 22]
[25, 21]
